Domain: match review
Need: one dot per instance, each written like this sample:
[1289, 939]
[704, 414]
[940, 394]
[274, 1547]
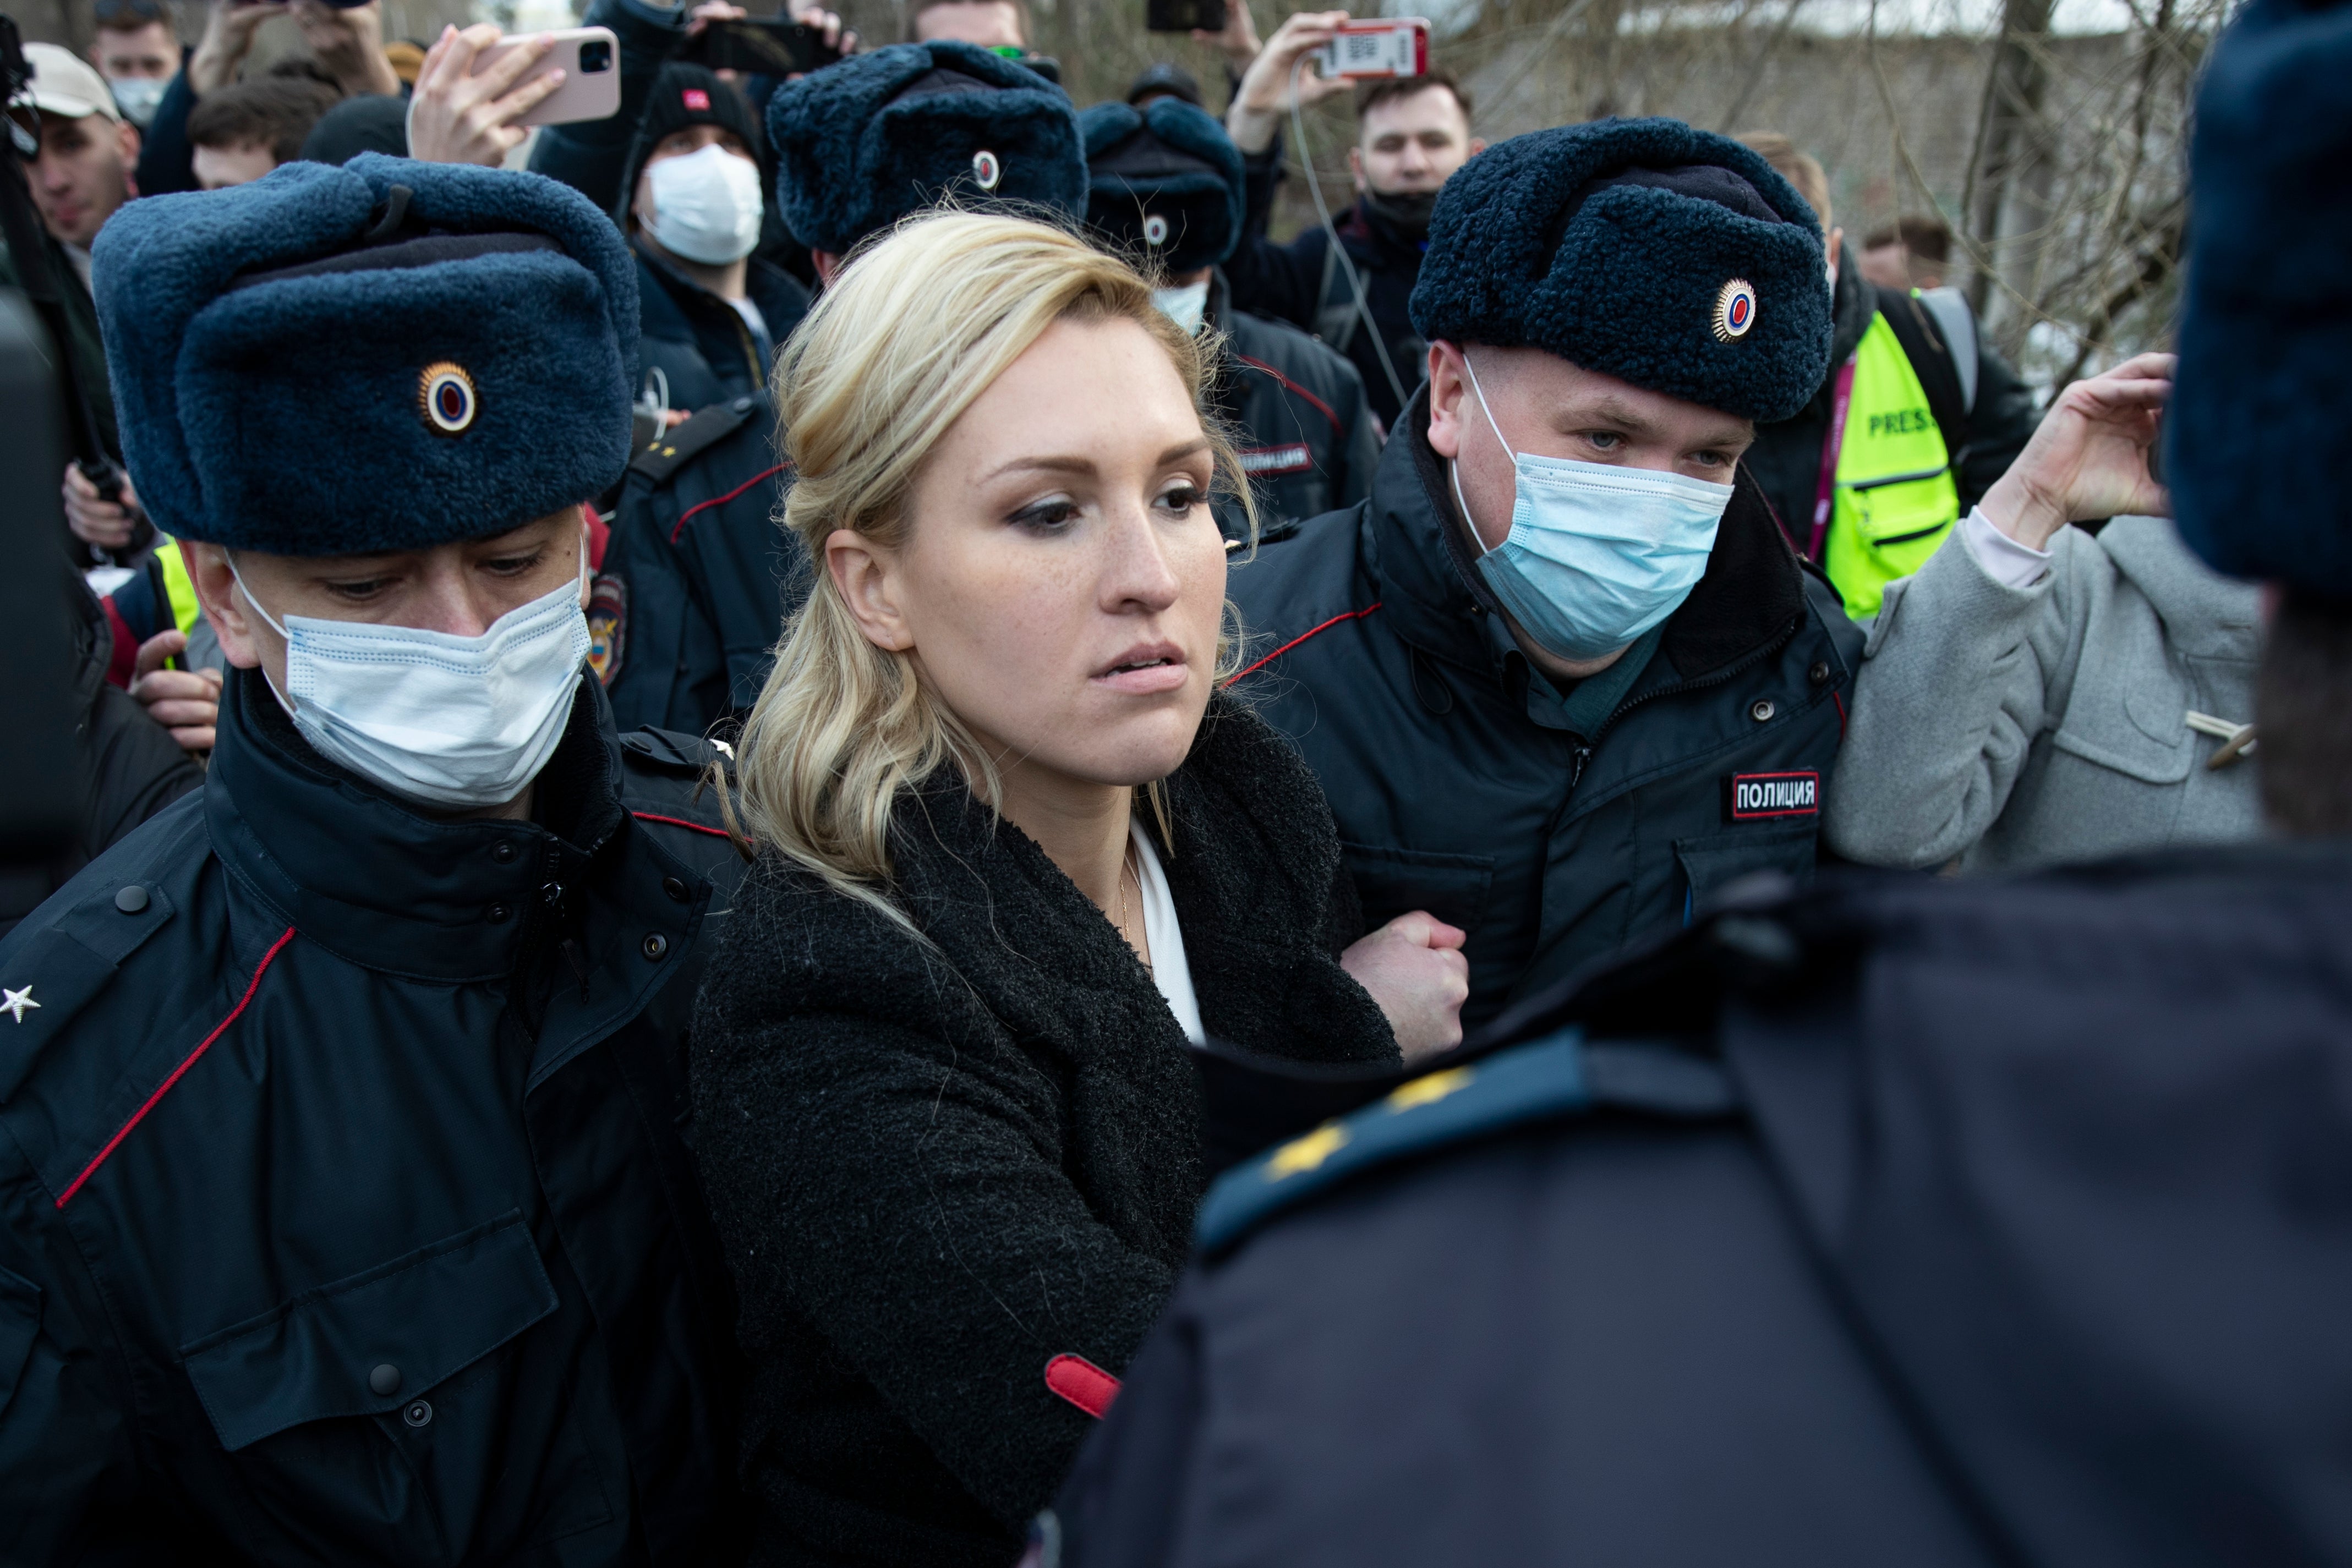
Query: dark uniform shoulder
[671, 782]
[1304, 364]
[1554, 1077]
[662, 458]
[1290, 586]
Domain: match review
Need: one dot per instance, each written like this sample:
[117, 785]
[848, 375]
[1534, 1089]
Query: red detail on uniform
[679, 822]
[722, 500]
[1840, 704]
[1082, 1382]
[600, 534]
[693, 98]
[1337, 429]
[1757, 796]
[122, 658]
[1286, 647]
[201, 1046]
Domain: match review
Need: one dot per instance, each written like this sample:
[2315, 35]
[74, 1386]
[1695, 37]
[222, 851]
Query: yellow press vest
[1896, 499]
[178, 587]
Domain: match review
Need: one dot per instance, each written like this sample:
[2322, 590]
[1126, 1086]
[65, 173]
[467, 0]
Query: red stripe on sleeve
[1286, 647]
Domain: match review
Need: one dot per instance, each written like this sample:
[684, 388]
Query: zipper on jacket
[1584, 753]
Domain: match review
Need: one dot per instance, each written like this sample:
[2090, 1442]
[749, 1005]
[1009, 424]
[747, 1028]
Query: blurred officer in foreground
[344, 1209]
[1908, 1221]
[699, 577]
[1561, 676]
[1165, 186]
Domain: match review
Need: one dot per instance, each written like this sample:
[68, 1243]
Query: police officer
[1166, 186]
[1922, 1221]
[346, 1212]
[1561, 676]
[699, 577]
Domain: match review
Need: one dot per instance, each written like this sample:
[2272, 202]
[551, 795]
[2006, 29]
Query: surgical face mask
[441, 720]
[138, 97]
[1598, 553]
[1187, 306]
[707, 205]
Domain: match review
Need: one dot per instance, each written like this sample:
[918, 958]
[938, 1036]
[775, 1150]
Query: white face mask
[443, 720]
[138, 97]
[1187, 306]
[707, 205]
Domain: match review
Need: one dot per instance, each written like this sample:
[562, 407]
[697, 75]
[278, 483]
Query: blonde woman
[1015, 852]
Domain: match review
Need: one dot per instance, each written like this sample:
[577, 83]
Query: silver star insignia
[15, 1002]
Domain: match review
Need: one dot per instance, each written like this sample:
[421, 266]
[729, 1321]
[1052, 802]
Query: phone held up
[1396, 47]
[590, 59]
[772, 47]
[1184, 15]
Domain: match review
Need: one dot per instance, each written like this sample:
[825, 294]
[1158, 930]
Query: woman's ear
[868, 580]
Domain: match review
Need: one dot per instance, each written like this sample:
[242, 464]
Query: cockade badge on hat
[1155, 229]
[987, 169]
[1735, 310]
[446, 394]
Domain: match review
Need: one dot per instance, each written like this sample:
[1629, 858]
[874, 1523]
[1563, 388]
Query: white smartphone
[1396, 47]
[590, 59]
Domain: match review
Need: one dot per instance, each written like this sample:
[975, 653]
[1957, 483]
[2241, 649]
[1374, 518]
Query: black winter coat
[1462, 789]
[936, 1169]
[133, 768]
[1947, 1223]
[1307, 442]
[1299, 282]
[707, 353]
[700, 573]
[345, 1210]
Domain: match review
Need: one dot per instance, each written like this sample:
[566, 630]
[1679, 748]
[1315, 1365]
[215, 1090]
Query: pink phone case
[586, 94]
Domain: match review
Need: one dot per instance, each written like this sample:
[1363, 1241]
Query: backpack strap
[1931, 360]
[1950, 309]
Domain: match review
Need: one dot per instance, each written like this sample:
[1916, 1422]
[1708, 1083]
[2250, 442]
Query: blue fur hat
[861, 144]
[1164, 182]
[383, 356]
[2255, 431]
[1644, 249]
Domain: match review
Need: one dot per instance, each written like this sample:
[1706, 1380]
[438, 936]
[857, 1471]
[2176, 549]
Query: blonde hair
[914, 329]
[1800, 169]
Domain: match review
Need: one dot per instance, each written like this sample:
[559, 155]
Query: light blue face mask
[1598, 553]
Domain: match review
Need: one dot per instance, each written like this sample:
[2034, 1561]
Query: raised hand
[2089, 458]
[458, 117]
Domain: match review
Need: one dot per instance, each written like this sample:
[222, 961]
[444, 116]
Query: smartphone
[769, 48]
[1184, 15]
[1393, 47]
[590, 59]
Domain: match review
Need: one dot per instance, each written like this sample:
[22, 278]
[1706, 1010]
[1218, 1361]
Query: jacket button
[655, 946]
[132, 899]
[417, 1413]
[498, 914]
[384, 1380]
[1820, 673]
[503, 853]
[1763, 710]
[674, 888]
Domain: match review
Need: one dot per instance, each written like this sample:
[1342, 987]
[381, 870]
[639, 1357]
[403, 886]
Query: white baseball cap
[64, 83]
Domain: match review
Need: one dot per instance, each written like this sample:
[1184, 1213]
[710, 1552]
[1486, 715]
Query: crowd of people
[824, 824]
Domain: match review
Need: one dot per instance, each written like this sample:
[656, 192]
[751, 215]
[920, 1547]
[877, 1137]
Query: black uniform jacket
[937, 1166]
[345, 1213]
[1301, 283]
[1462, 789]
[1920, 1221]
[706, 352]
[706, 570]
[1306, 439]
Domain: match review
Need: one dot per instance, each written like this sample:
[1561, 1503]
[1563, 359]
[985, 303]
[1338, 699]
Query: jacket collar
[383, 886]
[1419, 556]
[770, 287]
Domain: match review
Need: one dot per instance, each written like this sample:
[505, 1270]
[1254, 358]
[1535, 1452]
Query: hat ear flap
[1106, 125]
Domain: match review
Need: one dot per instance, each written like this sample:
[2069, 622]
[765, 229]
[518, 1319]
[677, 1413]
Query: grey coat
[2022, 726]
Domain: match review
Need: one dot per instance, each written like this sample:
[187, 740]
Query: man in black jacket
[699, 577]
[1560, 676]
[1166, 187]
[1921, 1221]
[1412, 134]
[341, 1106]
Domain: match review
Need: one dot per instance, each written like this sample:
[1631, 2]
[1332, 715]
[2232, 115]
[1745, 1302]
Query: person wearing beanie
[344, 1209]
[695, 592]
[1165, 187]
[1561, 676]
[711, 313]
[1906, 1220]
